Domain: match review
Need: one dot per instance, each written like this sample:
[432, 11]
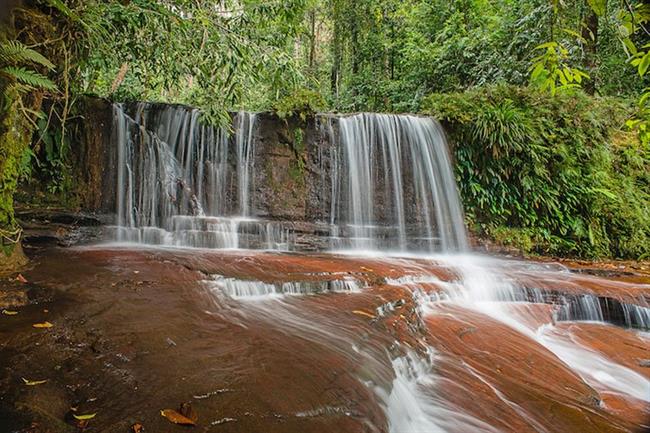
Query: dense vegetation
[552, 175]
[511, 78]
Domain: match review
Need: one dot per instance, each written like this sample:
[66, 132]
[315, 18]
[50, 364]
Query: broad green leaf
[598, 6]
[605, 192]
[551, 44]
[643, 65]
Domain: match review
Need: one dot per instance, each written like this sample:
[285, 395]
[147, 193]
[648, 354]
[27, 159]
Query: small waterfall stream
[391, 188]
[381, 158]
[176, 181]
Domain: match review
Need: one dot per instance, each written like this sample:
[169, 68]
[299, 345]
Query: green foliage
[550, 70]
[14, 52]
[14, 140]
[13, 58]
[53, 146]
[29, 78]
[214, 55]
[558, 172]
[302, 102]
[551, 173]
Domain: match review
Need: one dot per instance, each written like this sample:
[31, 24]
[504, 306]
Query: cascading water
[181, 182]
[393, 186]
[176, 177]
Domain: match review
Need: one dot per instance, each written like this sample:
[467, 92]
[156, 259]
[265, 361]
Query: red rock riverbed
[360, 345]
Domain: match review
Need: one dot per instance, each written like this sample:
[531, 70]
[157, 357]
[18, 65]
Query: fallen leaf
[9, 313]
[42, 325]
[363, 313]
[21, 278]
[188, 412]
[137, 428]
[176, 417]
[33, 382]
[85, 417]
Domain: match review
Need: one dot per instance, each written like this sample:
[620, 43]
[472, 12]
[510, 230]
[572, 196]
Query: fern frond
[30, 78]
[14, 52]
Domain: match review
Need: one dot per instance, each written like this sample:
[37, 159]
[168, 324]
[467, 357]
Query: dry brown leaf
[137, 428]
[42, 325]
[21, 278]
[9, 312]
[176, 417]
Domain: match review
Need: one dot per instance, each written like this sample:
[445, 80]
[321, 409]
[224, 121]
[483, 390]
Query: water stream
[181, 183]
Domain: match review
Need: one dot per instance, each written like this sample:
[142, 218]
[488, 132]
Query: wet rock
[58, 227]
[13, 298]
[188, 412]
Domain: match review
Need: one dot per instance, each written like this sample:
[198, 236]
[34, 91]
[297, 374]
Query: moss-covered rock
[15, 134]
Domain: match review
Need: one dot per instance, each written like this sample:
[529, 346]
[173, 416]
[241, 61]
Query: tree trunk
[312, 39]
[590, 35]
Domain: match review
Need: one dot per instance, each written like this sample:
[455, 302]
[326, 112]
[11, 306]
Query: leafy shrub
[301, 102]
[559, 170]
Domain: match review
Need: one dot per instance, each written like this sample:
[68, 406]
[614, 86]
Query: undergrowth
[549, 174]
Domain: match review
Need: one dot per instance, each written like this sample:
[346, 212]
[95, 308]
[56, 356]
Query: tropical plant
[17, 63]
[554, 174]
[551, 70]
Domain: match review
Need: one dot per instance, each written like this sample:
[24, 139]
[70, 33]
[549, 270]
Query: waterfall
[245, 164]
[182, 182]
[175, 179]
[393, 185]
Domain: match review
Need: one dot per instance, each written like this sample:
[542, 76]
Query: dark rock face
[94, 157]
[290, 173]
[363, 181]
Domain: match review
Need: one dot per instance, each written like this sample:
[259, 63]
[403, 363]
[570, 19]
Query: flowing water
[379, 158]
[178, 183]
[430, 338]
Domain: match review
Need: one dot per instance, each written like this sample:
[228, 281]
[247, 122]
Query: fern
[30, 78]
[14, 53]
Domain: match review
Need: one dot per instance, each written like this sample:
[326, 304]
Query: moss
[299, 140]
[521, 239]
[297, 171]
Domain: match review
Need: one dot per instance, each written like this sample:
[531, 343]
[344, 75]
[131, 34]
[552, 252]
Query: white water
[174, 181]
[380, 160]
[412, 407]
[260, 290]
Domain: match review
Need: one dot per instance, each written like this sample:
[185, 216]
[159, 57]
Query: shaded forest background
[545, 101]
